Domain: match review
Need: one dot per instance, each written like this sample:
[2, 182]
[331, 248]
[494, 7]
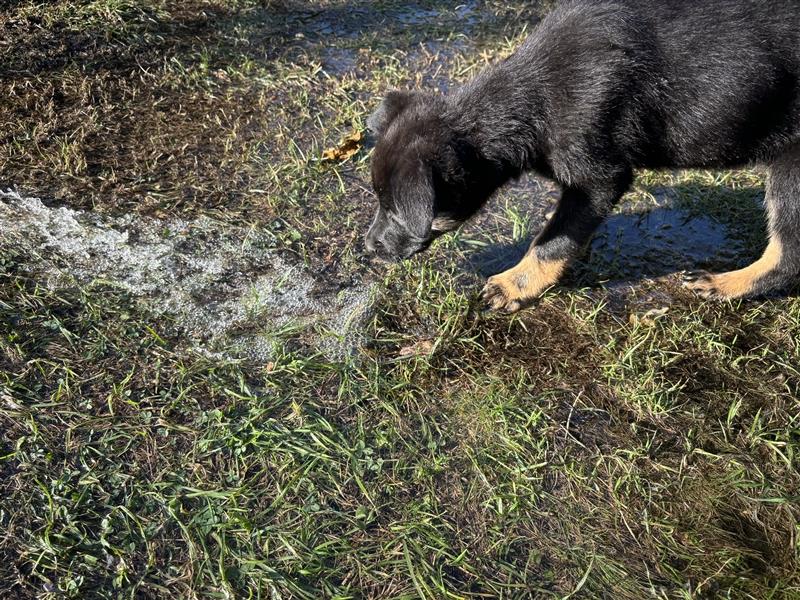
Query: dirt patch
[229, 290]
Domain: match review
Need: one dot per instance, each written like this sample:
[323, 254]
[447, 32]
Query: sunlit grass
[616, 440]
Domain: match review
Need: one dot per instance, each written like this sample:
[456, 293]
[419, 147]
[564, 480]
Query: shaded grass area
[617, 441]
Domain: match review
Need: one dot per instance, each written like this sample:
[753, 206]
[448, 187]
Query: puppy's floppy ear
[415, 198]
[394, 104]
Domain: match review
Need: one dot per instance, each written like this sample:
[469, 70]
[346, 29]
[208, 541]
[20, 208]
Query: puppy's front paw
[702, 284]
[519, 287]
[502, 295]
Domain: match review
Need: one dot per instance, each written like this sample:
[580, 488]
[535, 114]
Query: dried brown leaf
[346, 149]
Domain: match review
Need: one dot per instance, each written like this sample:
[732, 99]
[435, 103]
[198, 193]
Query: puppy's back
[686, 83]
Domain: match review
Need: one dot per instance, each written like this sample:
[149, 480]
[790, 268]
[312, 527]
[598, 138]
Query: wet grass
[618, 440]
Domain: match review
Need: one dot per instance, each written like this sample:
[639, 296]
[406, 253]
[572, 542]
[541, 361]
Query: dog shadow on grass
[725, 229]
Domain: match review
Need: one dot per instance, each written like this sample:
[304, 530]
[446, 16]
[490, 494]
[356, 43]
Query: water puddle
[465, 14]
[433, 60]
[415, 15]
[635, 242]
[352, 22]
[659, 240]
[339, 61]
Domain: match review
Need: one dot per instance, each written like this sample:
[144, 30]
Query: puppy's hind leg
[577, 216]
[779, 266]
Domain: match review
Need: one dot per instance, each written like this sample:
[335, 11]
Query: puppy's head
[426, 176]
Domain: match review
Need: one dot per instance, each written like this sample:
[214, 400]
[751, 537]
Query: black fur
[599, 89]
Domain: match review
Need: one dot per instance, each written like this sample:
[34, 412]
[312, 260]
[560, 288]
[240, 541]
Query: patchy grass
[619, 440]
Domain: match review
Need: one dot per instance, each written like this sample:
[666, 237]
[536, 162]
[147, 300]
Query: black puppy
[599, 89]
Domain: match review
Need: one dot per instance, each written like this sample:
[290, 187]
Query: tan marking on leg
[737, 284]
[514, 289]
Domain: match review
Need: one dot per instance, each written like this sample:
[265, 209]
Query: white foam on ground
[226, 287]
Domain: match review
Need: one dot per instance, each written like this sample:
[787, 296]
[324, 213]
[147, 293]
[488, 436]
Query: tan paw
[501, 295]
[735, 284]
[704, 284]
[517, 288]
[724, 286]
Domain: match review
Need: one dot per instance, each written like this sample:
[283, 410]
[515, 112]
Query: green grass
[620, 442]
[654, 459]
